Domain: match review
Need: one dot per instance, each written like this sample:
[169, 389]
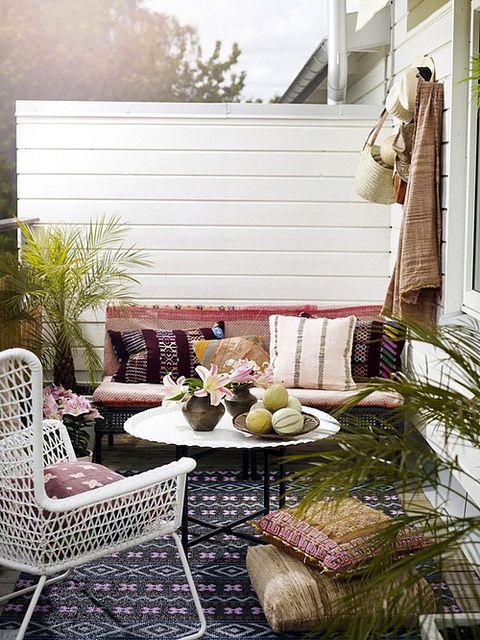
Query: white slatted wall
[234, 203]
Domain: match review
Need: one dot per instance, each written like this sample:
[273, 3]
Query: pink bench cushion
[117, 394]
[67, 479]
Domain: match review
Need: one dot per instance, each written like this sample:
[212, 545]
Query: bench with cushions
[117, 401]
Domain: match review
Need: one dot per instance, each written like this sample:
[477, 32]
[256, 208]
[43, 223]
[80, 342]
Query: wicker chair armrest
[121, 488]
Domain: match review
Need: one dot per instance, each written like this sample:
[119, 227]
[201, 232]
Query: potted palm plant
[61, 273]
[442, 399]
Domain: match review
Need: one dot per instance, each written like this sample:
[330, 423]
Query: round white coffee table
[167, 425]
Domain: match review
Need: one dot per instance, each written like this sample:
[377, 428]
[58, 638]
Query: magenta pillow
[67, 479]
[148, 355]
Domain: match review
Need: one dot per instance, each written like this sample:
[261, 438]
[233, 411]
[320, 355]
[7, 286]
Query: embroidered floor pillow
[67, 479]
[295, 597]
[219, 352]
[340, 538]
[312, 353]
[148, 355]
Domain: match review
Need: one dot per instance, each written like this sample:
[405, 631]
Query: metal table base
[230, 527]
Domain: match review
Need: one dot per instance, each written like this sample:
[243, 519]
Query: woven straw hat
[400, 102]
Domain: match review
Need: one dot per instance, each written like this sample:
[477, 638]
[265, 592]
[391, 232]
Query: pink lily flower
[244, 372]
[266, 378]
[214, 384]
[175, 391]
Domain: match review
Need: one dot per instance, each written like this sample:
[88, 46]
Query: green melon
[275, 397]
[287, 422]
[294, 403]
[259, 421]
[258, 405]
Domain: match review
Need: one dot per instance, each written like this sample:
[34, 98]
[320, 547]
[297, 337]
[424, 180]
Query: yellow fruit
[294, 403]
[259, 421]
[257, 405]
[275, 397]
[287, 422]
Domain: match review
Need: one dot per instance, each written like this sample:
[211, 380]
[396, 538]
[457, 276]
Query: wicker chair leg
[193, 590]
[97, 454]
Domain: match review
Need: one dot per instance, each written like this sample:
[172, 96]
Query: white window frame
[471, 299]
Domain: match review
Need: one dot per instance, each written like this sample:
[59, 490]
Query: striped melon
[294, 403]
[287, 422]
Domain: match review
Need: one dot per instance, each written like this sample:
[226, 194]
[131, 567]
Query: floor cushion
[295, 597]
[339, 537]
[67, 479]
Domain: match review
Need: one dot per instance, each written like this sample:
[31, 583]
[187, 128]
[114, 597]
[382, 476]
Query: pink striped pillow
[311, 353]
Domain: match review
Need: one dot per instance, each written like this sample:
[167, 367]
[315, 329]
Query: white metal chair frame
[45, 536]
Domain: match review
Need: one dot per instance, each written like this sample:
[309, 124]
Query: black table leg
[97, 455]
[253, 465]
[282, 471]
[245, 464]
[266, 481]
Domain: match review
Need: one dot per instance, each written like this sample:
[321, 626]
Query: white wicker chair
[44, 536]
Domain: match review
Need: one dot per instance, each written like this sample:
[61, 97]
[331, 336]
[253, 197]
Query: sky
[276, 36]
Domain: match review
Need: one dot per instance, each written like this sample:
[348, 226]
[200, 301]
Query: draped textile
[416, 282]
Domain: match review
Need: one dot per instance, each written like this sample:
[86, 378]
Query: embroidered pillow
[367, 344]
[71, 478]
[336, 537]
[148, 355]
[308, 353]
[221, 351]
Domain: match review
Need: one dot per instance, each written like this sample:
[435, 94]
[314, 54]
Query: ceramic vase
[201, 415]
[241, 402]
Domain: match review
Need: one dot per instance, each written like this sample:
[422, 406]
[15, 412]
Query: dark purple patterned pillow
[367, 342]
[148, 355]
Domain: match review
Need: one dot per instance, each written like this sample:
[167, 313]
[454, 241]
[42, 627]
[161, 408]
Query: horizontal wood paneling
[211, 213]
[244, 137]
[226, 188]
[256, 207]
[174, 162]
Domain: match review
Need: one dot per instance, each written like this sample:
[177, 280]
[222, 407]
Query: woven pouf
[295, 597]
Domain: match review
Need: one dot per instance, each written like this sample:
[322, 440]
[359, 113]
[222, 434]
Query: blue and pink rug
[142, 593]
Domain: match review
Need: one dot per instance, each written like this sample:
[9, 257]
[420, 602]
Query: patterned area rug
[142, 593]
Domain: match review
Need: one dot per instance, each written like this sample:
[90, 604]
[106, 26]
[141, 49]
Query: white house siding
[245, 204]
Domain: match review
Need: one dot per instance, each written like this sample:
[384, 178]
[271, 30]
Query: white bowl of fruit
[277, 416]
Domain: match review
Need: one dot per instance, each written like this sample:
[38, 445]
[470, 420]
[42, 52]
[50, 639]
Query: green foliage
[474, 78]
[445, 395]
[77, 430]
[65, 271]
[100, 50]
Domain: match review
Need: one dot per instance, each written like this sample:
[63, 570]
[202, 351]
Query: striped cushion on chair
[312, 353]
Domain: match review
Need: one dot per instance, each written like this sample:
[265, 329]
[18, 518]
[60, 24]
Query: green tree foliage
[100, 50]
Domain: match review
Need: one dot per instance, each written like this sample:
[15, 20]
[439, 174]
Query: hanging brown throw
[415, 286]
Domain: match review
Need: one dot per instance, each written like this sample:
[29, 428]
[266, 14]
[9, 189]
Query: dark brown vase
[241, 402]
[201, 415]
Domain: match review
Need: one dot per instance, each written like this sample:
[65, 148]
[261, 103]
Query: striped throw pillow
[312, 353]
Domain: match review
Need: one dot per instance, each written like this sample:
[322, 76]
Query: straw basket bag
[373, 179]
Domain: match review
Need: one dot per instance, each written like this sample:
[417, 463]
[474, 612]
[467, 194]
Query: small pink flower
[243, 372]
[266, 378]
[174, 391]
[214, 384]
